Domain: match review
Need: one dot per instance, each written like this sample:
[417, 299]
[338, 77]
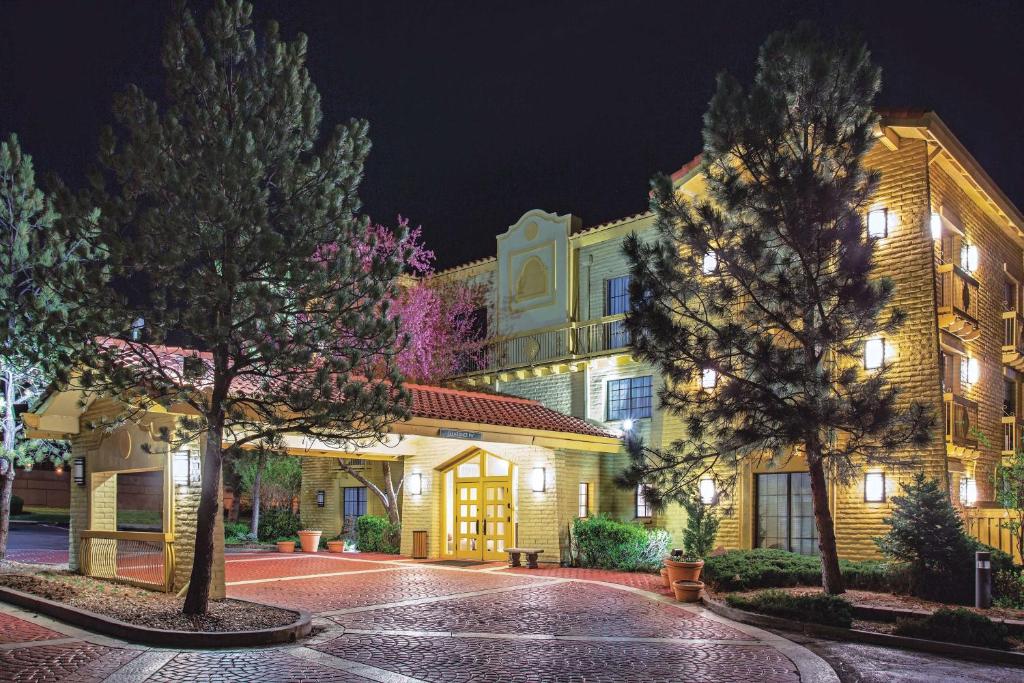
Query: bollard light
[983, 579]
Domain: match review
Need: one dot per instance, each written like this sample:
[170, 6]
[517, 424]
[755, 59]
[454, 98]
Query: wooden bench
[531, 556]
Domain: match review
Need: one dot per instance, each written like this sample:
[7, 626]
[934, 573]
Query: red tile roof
[440, 403]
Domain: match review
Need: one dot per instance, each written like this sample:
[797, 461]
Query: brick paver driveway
[394, 621]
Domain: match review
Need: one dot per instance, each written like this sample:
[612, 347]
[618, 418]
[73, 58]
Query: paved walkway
[400, 621]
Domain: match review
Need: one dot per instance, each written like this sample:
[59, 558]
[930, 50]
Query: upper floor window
[1009, 295]
[616, 295]
[629, 398]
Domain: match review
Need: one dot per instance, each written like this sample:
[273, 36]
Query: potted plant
[687, 591]
[336, 546]
[664, 578]
[284, 546]
[310, 540]
[698, 541]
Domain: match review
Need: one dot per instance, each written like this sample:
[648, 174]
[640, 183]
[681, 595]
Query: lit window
[710, 263]
[968, 491]
[874, 487]
[629, 398]
[878, 223]
[708, 378]
[936, 226]
[643, 509]
[874, 353]
[584, 502]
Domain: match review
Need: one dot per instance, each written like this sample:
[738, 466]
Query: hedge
[609, 544]
[739, 570]
[817, 608]
[377, 535]
[955, 626]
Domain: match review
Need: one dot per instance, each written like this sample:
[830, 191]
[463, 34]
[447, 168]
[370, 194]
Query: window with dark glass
[616, 302]
[643, 508]
[785, 513]
[1009, 295]
[355, 501]
[629, 398]
[1009, 398]
[584, 500]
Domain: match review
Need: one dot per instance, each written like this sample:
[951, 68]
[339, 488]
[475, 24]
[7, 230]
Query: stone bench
[531, 556]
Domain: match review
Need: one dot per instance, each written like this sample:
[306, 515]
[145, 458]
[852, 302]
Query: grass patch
[830, 610]
[46, 515]
[956, 626]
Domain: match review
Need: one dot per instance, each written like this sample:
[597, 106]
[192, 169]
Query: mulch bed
[140, 606]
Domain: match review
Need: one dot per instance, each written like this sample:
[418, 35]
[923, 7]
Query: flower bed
[142, 607]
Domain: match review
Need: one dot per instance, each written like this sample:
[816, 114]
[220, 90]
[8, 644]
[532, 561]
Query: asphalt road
[27, 536]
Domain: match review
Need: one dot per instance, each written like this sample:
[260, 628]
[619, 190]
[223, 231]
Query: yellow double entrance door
[483, 508]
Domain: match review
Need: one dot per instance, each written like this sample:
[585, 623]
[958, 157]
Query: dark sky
[480, 111]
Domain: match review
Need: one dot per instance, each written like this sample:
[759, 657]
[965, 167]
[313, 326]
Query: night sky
[480, 111]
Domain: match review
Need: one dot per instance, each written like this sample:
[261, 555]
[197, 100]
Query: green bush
[609, 544]
[17, 505]
[955, 626]
[236, 530]
[701, 527]
[377, 535]
[739, 570]
[817, 608]
[1008, 588]
[277, 524]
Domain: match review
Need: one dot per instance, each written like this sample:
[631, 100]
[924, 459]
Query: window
[629, 398]
[616, 302]
[1009, 295]
[643, 509]
[785, 513]
[584, 502]
[1009, 398]
[355, 501]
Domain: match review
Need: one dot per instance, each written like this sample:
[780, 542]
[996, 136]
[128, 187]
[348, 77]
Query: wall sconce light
[538, 479]
[708, 378]
[936, 226]
[874, 487]
[968, 491]
[708, 494]
[878, 223]
[320, 499]
[874, 353]
[973, 258]
[710, 263]
[973, 371]
[628, 424]
[415, 484]
[78, 471]
[180, 468]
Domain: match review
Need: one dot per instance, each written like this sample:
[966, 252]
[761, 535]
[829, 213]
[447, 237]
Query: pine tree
[233, 223]
[764, 288]
[33, 311]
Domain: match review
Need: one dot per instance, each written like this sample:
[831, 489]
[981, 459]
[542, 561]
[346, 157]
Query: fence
[987, 525]
[140, 558]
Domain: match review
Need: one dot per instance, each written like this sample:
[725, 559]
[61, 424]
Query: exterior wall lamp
[708, 494]
[415, 484]
[874, 487]
[78, 471]
[874, 354]
[320, 499]
[708, 378]
[538, 479]
[968, 491]
[936, 226]
[878, 223]
[185, 468]
[710, 263]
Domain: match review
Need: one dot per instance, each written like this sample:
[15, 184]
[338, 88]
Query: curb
[891, 614]
[107, 626]
[936, 647]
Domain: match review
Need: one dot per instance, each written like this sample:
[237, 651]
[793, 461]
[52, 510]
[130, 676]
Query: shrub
[609, 544]
[940, 562]
[377, 535]
[17, 505]
[236, 530]
[955, 626]
[701, 528]
[739, 570]
[817, 608]
[1008, 588]
[277, 524]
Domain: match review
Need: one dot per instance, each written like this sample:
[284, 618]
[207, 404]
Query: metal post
[983, 580]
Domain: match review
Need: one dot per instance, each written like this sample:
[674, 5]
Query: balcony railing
[958, 301]
[1011, 434]
[961, 421]
[575, 340]
[139, 558]
[1013, 340]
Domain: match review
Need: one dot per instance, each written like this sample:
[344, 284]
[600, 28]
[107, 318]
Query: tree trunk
[236, 502]
[198, 597]
[10, 426]
[831, 578]
[388, 496]
[254, 524]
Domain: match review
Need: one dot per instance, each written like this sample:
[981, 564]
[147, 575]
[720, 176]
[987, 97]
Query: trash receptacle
[419, 545]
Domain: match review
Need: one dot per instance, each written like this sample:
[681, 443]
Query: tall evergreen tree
[764, 287]
[37, 253]
[234, 225]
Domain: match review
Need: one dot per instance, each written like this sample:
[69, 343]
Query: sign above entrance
[459, 434]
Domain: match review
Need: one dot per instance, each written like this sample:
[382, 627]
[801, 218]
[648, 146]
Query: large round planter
[310, 540]
[679, 570]
[335, 546]
[687, 591]
[286, 546]
[664, 578]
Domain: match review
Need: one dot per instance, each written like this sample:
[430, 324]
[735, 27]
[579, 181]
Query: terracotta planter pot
[687, 591]
[335, 546]
[310, 540]
[664, 578]
[286, 546]
[678, 570]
